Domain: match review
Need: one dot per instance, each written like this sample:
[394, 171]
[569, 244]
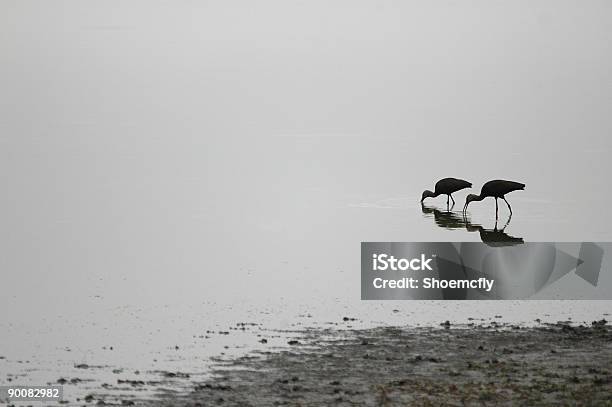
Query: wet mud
[494, 364]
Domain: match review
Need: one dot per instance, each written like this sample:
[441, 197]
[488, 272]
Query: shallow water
[151, 344]
[277, 251]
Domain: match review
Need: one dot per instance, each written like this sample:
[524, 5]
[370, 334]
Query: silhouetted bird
[446, 186]
[495, 189]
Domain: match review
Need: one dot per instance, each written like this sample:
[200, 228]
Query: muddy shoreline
[493, 364]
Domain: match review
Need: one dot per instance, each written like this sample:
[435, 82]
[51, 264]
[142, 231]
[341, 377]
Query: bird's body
[495, 189]
[498, 188]
[450, 185]
[446, 186]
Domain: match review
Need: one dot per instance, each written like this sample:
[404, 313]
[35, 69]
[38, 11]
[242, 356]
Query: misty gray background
[168, 152]
[167, 168]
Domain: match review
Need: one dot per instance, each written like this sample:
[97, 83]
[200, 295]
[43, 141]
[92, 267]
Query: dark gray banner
[477, 271]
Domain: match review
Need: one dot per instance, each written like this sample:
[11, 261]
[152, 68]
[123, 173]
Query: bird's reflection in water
[450, 219]
[445, 219]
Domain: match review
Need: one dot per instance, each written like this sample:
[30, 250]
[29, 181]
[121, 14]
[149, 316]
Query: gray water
[277, 246]
[172, 169]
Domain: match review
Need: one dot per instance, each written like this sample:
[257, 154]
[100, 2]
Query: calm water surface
[277, 248]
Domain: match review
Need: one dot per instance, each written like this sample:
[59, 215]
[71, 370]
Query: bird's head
[468, 199]
[427, 194]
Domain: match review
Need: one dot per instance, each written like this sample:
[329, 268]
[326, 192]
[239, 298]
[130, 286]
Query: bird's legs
[453, 199]
[496, 210]
[509, 207]
[507, 222]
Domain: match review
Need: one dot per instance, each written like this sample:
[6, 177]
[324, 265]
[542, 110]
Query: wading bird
[495, 189]
[446, 186]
